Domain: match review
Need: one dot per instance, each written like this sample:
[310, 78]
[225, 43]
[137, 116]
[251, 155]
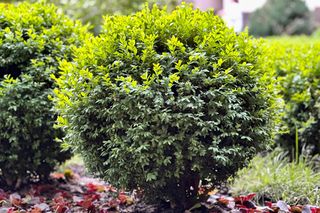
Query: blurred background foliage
[290, 17]
[92, 11]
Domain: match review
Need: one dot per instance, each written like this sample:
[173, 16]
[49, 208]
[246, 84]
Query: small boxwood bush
[161, 101]
[296, 62]
[33, 38]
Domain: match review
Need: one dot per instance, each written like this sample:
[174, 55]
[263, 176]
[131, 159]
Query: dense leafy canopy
[33, 38]
[162, 100]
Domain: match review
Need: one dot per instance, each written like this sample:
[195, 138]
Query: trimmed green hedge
[297, 64]
[163, 101]
[33, 38]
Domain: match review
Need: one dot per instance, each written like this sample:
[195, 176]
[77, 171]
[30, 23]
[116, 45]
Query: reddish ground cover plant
[80, 193]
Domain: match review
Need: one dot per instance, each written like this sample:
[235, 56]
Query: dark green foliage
[276, 17]
[296, 61]
[33, 38]
[161, 101]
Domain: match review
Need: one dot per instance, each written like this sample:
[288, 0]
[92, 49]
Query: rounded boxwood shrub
[33, 38]
[163, 101]
[296, 62]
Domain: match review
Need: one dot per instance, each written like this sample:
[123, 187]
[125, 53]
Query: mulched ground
[75, 191]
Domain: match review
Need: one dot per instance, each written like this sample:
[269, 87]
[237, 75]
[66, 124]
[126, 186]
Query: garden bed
[75, 191]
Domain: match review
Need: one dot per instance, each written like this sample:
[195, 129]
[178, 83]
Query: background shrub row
[286, 17]
[296, 62]
[294, 177]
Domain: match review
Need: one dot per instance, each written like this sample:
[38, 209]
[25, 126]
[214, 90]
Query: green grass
[274, 177]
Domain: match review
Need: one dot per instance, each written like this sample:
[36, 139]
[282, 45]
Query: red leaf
[60, 205]
[113, 203]
[315, 209]
[242, 198]
[268, 203]
[40, 189]
[11, 210]
[122, 198]
[85, 203]
[92, 196]
[239, 206]
[223, 201]
[62, 193]
[95, 188]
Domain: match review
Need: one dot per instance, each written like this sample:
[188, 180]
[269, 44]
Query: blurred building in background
[237, 12]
